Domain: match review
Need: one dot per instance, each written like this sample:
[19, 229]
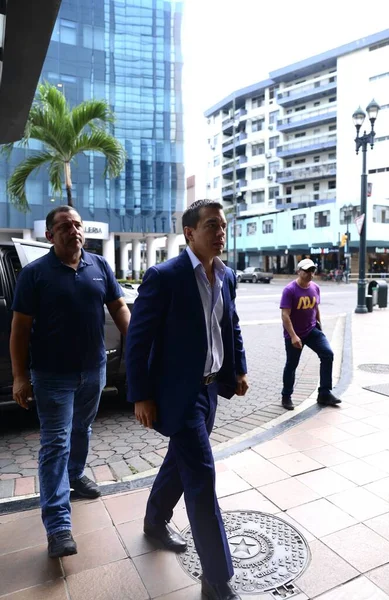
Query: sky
[228, 44]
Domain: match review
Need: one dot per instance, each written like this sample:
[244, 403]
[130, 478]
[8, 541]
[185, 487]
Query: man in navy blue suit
[184, 346]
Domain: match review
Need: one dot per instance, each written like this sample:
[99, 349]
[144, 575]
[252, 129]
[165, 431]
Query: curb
[238, 444]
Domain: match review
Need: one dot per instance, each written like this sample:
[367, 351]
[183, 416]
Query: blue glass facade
[128, 52]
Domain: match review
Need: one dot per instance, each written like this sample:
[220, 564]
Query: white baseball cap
[306, 264]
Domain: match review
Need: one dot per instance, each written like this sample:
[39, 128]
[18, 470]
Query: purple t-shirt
[303, 303]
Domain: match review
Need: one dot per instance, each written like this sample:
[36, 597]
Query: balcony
[228, 146]
[304, 119]
[228, 124]
[228, 191]
[306, 200]
[307, 146]
[228, 168]
[317, 89]
[315, 171]
[241, 185]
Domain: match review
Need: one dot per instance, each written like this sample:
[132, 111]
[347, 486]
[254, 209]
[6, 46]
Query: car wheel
[254, 280]
[267, 281]
[238, 279]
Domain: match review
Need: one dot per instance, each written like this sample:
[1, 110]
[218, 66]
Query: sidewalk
[324, 473]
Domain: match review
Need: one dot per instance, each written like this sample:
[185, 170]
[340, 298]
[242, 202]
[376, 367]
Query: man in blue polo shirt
[59, 319]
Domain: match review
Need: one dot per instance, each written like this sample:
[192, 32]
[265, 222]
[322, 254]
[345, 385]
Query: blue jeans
[317, 342]
[67, 405]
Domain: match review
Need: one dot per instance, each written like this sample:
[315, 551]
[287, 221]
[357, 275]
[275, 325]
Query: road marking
[278, 321]
[323, 295]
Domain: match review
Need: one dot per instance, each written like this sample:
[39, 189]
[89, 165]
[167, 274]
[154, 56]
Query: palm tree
[64, 133]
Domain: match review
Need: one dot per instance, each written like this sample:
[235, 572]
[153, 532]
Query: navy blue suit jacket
[166, 344]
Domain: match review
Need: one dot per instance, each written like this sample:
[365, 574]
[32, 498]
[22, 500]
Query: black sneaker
[328, 399]
[287, 403]
[61, 544]
[85, 487]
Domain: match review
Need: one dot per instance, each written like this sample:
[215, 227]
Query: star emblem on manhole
[242, 547]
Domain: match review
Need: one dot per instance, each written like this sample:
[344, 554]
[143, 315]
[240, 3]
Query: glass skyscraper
[128, 52]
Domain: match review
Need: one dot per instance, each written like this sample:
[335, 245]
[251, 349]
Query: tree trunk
[68, 183]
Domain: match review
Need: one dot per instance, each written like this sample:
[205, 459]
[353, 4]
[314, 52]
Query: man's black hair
[191, 216]
[52, 214]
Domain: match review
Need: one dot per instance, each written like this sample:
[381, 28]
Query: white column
[172, 245]
[124, 250]
[27, 234]
[109, 251]
[151, 252]
[135, 259]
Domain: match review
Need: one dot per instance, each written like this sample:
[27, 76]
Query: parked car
[255, 275]
[13, 257]
[238, 275]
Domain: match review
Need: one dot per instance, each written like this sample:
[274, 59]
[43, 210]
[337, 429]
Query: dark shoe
[85, 487]
[287, 403]
[61, 544]
[165, 535]
[328, 399]
[218, 591]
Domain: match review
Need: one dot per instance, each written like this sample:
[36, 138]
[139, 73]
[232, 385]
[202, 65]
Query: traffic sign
[359, 221]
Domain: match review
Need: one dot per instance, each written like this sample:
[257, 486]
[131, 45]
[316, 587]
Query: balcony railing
[306, 200]
[302, 115]
[306, 89]
[314, 171]
[307, 144]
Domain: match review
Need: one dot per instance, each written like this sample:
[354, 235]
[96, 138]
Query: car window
[249, 270]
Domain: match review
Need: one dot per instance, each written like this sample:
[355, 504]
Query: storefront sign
[323, 250]
[381, 250]
[93, 230]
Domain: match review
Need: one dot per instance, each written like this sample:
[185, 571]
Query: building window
[300, 186]
[300, 108]
[332, 185]
[299, 161]
[216, 182]
[238, 230]
[299, 222]
[215, 140]
[332, 156]
[332, 99]
[93, 37]
[316, 187]
[323, 218]
[332, 128]
[273, 116]
[258, 197]
[258, 173]
[356, 211]
[300, 135]
[273, 142]
[274, 192]
[257, 125]
[216, 161]
[267, 226]
[65, 32]
[257, 149]
[251, 228]
[257, 102]
[316, 103]
[273, 167]
[332, 80]
[380, 213]
[316, 159]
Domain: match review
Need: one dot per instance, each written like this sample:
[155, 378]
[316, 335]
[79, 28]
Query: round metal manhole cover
[374, 368]
[266, 551]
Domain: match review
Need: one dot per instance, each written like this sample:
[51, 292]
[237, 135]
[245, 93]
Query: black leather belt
[209, 378]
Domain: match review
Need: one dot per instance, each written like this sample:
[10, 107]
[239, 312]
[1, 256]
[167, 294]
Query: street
[120, 446]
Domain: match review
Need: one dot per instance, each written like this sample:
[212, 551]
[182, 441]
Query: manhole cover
[266, 551]
[374, 368]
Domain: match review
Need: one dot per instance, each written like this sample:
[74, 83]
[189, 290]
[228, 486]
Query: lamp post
[362, 141]
[347, 211]
[234, 199]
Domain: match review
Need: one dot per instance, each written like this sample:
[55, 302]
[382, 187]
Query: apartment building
[282, 151]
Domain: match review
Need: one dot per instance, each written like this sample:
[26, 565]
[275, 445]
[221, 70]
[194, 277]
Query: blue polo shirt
[68, 309]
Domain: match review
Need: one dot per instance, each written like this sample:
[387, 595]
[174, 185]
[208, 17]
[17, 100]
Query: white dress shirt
[212, 300]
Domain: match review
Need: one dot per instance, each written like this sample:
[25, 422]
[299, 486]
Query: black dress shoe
[61, 544]
[328, 399]
[164, 534]
[85, 487]
[287, 403]
[218, 591]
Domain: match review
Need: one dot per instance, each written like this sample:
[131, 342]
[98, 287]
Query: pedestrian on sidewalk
[59, 319]
[302, 327]
[184, 346]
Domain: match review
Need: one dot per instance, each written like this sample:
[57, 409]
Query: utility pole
[234, 203]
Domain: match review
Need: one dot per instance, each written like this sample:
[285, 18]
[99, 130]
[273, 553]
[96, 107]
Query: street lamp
[347, 212]
[362, 142]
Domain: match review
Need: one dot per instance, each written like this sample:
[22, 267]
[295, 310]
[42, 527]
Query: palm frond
[17, 181]
[105, 143]
[51, 98]
[55, 176]
[92, 113]
[6, 149]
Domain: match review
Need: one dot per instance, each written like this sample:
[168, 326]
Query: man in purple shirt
[302, 327]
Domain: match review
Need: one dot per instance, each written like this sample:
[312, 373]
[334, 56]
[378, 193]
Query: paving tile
[360, 546]
[301, 441]
[377, 421]
[288, 493]
[95, 549]
[27, 568]
[7, 488]
[134, 539]
[369, 444]
[249, 500]
[358, 428]
[379, 460]
[54, 590]
[120, 469]
[333, 417]
[103, 473]
[161, 573]
[330, 434]
[328, 455]
[248, 458]
[20, 515]
[24, 486]
[359, 471]
[321, 517]
[22, 533]
[273, 448]
[127, 507]
[228, 483]
[326, 571]
[285, 516]
[261, 473]
[380, 577]
[356, 412]
[379, 488]
[325, 482]
[89, 516]
[180, 517]
[360, 503]
[115, 581]
[358, 589]
[190, 593]
[380, 525]
[296, 463]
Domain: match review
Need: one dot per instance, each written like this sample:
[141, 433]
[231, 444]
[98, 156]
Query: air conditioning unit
[270, 127]
[270, 177]
[269, 154]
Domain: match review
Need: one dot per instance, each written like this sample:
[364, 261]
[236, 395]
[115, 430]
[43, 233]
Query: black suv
[13, 257]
